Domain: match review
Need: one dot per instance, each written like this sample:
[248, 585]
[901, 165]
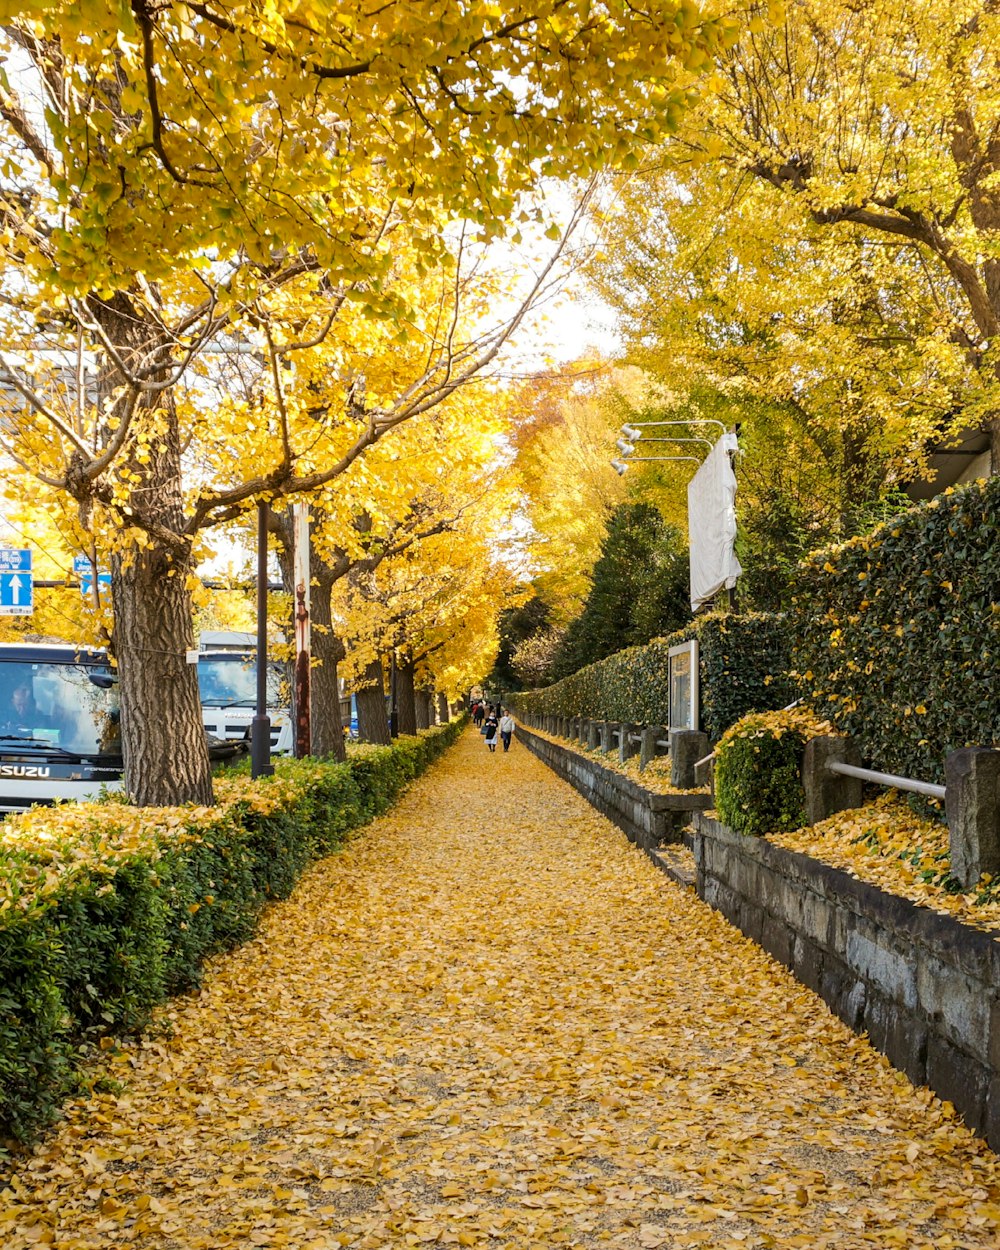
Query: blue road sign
[16, 587]
[87, 582]
[84, 570]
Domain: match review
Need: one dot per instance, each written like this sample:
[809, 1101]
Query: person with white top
[506, 728]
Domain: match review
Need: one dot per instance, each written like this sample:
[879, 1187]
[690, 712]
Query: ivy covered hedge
[744, 666]
[897, 634]
[106, 909]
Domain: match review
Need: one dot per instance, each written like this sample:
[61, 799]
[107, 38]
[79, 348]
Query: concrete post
[626, 749]
[687, 746]
[582, 725]
[593, 734]
[828, 792]
[647, 747]
[972, 806]
[605, 737]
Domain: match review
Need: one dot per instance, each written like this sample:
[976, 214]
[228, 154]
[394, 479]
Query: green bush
[744, 662]
[896, 636]
[105, 909]
[758, 771]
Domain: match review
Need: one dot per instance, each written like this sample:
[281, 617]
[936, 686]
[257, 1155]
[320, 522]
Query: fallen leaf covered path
[491, 1022]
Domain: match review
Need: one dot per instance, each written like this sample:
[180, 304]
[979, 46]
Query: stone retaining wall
[925, 987]
[648, 819]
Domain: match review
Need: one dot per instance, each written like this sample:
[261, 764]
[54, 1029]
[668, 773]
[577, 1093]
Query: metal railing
[927, 788]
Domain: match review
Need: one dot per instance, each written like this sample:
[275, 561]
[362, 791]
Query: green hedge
[897, 634]
[758, 771]
[744, 660]
[106, 909]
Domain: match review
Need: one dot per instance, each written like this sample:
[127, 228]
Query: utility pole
[260, 732]
[303, 629]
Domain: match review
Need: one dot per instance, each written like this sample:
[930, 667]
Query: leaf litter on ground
[491, 1022]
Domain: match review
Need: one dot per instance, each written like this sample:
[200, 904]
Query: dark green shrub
[758, 771]
[896, 636]
[36, 1055]
[112, 932]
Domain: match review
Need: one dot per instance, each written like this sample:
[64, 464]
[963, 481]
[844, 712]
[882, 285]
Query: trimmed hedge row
[107, 909]
[897, 634]
[744, 664]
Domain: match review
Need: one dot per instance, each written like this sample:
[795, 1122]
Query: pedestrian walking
[477, 713]
[506, 727]
[490, 732]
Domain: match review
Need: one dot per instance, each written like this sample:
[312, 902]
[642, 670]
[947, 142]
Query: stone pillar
[606, 728]
[972, 806]
[626, 749]
[593, 734]
[582, 727]
[687, 747]
[647, 747]
[828, 792]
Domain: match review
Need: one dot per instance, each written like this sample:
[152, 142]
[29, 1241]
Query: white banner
[712, 525]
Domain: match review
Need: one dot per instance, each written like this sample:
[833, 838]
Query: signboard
[683, 662]
[16, 586]
[84, 570]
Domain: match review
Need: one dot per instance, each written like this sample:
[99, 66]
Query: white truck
[227, 680]
[59, 725]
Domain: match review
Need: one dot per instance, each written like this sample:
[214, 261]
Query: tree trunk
[163, 739]
[995, 447]
[424, 704]
[406, 708]
[443, 716]
[327, 726]
[373, 724]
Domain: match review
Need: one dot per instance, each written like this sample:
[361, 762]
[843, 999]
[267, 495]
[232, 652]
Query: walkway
[492, 1023]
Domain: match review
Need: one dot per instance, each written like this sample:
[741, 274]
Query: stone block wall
[648, 819]
[925, 987]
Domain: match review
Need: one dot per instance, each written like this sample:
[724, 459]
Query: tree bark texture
[406, 708]
[327, 725]
[424, 700]
[163, 738]
[442, 709]
[373, 724]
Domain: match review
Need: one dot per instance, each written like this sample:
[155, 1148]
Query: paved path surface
[491, 1022]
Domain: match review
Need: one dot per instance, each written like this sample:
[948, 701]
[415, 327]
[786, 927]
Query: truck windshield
[231, 681]
[70, 706]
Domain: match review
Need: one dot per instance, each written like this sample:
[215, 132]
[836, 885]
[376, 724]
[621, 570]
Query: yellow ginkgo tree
[170, 167]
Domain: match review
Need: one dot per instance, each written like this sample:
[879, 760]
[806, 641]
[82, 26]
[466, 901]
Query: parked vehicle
[59, 725]
[227, 680]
